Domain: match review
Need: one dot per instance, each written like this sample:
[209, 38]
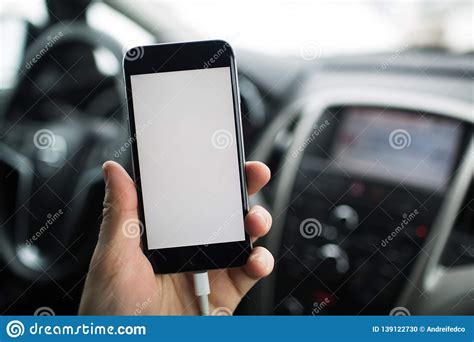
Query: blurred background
[362, 109]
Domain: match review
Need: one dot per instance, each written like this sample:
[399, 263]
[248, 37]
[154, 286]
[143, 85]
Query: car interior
[370, 147]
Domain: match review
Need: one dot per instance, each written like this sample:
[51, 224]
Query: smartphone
[188, 155]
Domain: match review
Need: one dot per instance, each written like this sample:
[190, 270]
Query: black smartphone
[188, 155]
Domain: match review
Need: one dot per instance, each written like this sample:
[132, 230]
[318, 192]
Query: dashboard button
[344, 216]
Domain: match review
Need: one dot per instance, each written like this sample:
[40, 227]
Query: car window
[15, 15]
[330, 27]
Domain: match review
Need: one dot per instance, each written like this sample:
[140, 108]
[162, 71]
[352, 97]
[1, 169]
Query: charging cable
[202, 290]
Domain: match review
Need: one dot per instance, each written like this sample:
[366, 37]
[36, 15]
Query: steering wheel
[51, 152]
[443, 288]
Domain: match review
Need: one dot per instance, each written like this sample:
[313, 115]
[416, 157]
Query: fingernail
[258, 258]
[105, 173]
[261, 216]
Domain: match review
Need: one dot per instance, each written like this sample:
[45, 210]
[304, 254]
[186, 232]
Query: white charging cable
[202, 290]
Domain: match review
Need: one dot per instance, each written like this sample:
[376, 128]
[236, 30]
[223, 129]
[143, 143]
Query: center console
[368, 185]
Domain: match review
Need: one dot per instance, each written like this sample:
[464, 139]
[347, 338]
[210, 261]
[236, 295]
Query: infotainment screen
[401, 146]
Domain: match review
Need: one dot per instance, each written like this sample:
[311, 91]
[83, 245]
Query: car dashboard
[363, 160]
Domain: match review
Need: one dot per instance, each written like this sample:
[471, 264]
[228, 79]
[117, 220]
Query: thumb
[121, 228]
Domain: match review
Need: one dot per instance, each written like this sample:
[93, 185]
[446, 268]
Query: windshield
[328, 27]
[306, 29]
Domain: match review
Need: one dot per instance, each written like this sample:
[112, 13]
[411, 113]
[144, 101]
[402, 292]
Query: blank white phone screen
[188, 157]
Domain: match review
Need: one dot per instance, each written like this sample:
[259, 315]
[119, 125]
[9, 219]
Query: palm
[152, 294]
[121, 280]
[143, 292]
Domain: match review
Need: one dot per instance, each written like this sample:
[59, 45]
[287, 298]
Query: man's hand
[121, 280]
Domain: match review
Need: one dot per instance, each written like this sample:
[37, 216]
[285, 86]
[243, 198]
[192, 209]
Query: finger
[120, 224]
[258, 222]
[258, 174]
[259, 265]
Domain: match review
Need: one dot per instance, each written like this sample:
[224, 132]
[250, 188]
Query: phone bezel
[176, 57]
